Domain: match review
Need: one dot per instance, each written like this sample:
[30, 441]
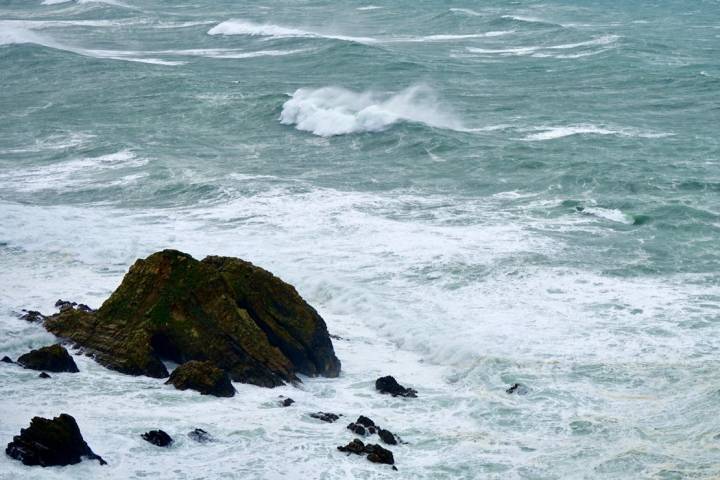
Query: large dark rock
[54, 358]
[387, 436]
[157, 437]
[375, 453]
[390, 386]
[51, 442]
[6, 359]
[204, 377]
[172, 307]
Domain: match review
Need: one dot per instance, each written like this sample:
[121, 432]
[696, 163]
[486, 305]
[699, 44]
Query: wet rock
[173, 307]
[387, 436]
[32, 316]
[44, 375]
[54, 358]
[201, 436]
[357, 429]
[63, 305]
[517, 388]
[325, 417]
[157, 437]
[6, 359]
[204, 377]
[51, 442]
[390, 386]
[286, 402]
[84, 308]
[375, 453]
[364, 421]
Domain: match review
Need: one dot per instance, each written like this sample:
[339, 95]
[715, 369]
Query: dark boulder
[201, 436]
[204, 377]
[63, 305]
[387, 436]
[54, 358]
[6, 359]
[51, 442]
[326, 417]
[32, 316]
[518, 389]
[357, 429]
[157, 437]
[375, 453]
[171, 306]
[365, 421]
[390, 386]
[286, 402]
[44, 375]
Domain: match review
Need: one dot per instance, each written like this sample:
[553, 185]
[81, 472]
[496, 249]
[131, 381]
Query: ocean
[472, 194]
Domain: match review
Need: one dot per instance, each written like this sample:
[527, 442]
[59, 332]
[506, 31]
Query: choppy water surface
[471, 193]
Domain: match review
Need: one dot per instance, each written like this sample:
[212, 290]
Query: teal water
[511, 191]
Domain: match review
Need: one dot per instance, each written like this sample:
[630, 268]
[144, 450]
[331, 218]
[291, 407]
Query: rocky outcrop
[54, 358]
[32, 316]
[375, 453]
[326, 416]
[6, 359]
[204, 377]
[364, 426]
[390, 386]
[158, 438]
[51, 442]
[171, 306]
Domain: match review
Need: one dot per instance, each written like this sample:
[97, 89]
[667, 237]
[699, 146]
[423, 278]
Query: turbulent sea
[472, 194]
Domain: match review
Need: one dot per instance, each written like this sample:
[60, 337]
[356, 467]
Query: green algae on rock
[171, 306]
[204, 377]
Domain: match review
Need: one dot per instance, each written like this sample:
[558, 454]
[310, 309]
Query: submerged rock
[51, 442]
[6, 359]
[326, 417]
[204, 377]
[286, 402]
[157, 437]
[201, 436]
[375, 453]
[171, 306]
[390, 386]
[44, 375]
[32, 316]
[517, 388]
[357, 429]
[54, 358]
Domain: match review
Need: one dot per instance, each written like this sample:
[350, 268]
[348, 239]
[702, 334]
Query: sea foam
[332, 111]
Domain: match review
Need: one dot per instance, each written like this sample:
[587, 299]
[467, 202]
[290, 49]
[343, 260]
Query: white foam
[546, 50]
[552, 133]
[369, 7]
[332, 111]
[614, 215]
[244, 27]
[466, 11]
[230, 53]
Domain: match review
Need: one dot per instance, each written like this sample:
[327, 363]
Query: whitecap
[330, 111]
[612, 214]
[244, 27]
[369, 7]
[552, 133]
[466, 11]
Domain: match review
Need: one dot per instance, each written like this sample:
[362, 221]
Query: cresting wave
[333, 111]
[552, 133]
[548, 50]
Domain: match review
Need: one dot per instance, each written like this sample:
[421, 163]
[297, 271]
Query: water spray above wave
[333, 111]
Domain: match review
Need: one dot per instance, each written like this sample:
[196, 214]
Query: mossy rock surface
[54, 358]
[203, 377]
[171, 306]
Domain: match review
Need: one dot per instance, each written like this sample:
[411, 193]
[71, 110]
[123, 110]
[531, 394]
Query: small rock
[325, 417]
[32, 316]
[356, 446]
[54, 358]
[387, 436]
[157, 437]
[84, 308]
[365, 421]
[201, 436]
[51, 442]
[517, 388]
[378, 454]
[64, 305]
[44, 375]
[390, 386]
[6, 359]
[204, 377]
[357, 429]
[287, 402]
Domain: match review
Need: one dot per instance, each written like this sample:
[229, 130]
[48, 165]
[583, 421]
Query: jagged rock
[51, 442]
[54, 358]
[204, 377]
[517, 388]
[357, 429]
[287, 402]
[201, 436]
[32, 316]
[84, 308]
[157, 437]
[171, 306]
[44, 375]
[6, 359]
[365, 421]
[65, 305]
[387, 436]
[325, 417]
[390, 386]
[375, 453]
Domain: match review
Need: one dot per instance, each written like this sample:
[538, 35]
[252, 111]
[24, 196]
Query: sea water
[472, 194]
